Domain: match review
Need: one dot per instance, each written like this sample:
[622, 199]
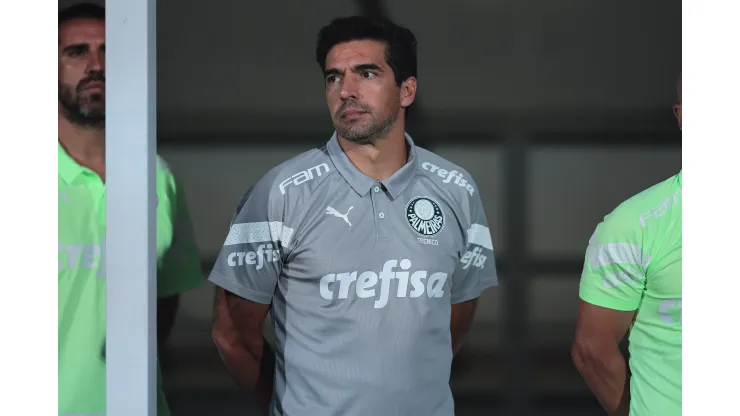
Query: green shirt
[633, 263]
[82, 277]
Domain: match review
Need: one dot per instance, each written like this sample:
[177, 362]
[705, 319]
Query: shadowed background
[559, 109]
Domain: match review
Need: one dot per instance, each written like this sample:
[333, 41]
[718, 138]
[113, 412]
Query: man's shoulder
[162, 165]
[296, 176]
[166, 183]
[448, 176]
[164, 174]
[636, 212]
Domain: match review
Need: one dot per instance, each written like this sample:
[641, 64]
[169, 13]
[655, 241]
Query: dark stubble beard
[371, 132]
[84, 111]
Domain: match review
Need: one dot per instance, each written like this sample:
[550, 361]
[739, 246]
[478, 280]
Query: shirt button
[377, 189]
[381, 215]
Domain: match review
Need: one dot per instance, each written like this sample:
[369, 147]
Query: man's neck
[381, 159]
[86, 145]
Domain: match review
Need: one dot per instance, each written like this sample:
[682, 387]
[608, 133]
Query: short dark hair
[82, 11]
[400, 50]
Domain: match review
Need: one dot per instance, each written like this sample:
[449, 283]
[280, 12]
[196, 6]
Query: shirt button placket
[380, 206]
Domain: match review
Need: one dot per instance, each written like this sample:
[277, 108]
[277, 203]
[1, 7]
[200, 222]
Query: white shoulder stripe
[480, 235]
[259, 232]
[600, 255]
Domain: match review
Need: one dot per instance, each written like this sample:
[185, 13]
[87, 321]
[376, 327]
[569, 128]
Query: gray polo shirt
[361, 275]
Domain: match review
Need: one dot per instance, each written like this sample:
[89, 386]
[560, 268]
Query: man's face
[361, 91]
[82, 71]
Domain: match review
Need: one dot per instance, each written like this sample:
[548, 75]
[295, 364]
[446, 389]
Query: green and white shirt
[82, 282]
[633, 263]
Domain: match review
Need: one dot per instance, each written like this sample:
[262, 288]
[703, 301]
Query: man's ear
[408, 92]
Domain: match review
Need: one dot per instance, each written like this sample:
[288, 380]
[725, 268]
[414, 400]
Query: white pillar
[130, 244]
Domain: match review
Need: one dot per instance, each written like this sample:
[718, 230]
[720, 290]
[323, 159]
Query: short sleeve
[476, 270]
[614, 271]
[179, 269]
[251, 259]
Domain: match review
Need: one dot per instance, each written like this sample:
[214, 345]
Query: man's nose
[96, 62]
[349, 89]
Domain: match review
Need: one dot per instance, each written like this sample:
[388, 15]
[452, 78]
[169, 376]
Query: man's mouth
[93, 85]
[352, 114]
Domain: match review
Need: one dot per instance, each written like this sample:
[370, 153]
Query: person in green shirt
[632, 281]
[82, 225]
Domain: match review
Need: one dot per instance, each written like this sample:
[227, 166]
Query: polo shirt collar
[68, 169]
[362, 183]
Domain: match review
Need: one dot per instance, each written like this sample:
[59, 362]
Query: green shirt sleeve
[179, 269]
[614, 271]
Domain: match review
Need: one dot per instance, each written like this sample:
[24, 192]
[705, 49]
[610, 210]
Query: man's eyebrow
[331, 71]
[356, 68]
[75, 46]
[366, 67]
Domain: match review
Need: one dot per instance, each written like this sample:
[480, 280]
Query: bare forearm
[460, 320]
[458, 340]
[252, 369]
[247, 355]
[606, 376]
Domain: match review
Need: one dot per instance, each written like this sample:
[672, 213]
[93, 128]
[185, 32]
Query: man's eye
[368, 74]
[75, 51]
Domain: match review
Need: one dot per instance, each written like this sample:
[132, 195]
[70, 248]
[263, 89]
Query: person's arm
[179, 268]
[462, 316]
[246, 272]
[612, 285]
[237, 333]
[475, 272]
[597, 357]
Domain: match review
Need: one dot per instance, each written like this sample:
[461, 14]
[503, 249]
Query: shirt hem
[239, 290]
[473, 294]
[597, 300]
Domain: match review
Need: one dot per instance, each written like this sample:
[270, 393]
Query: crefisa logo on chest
[425, 216]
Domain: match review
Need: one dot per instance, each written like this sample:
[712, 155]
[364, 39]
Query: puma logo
[332, 211]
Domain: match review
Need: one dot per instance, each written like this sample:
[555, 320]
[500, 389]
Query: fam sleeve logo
[424, 215]
[661, 209]
[304, 176]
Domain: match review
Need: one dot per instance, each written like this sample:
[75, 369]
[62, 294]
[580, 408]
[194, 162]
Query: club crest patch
[425, 216]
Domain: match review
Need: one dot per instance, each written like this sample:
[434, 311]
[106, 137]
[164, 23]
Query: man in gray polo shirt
[370, 252]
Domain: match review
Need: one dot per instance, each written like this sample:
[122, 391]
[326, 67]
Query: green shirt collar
[69, 170]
